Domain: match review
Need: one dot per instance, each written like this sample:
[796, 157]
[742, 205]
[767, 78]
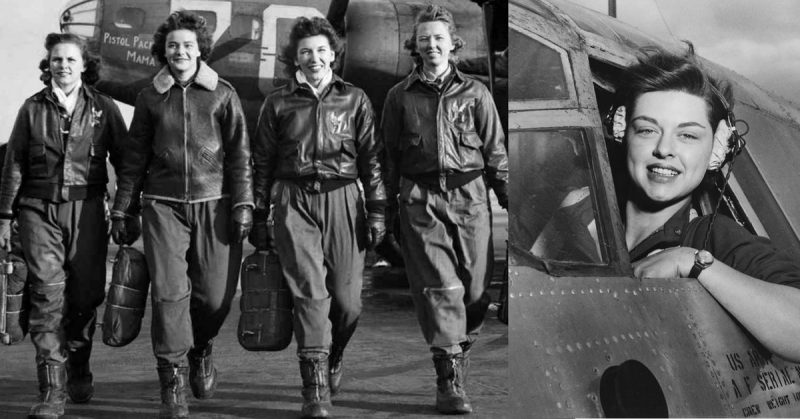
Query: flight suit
[308, 152]
[55, 167]
[443, 143]
[190, 155]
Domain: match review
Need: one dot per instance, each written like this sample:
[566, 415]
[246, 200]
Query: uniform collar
[326, 80]
[416, 76]
[206, 78]
[668, 235]
[335, 81]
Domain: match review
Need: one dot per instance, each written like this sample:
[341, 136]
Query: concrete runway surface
[388, 370]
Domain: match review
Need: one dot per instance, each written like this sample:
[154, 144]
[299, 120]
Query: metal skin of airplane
[587, 338]
[248, 36]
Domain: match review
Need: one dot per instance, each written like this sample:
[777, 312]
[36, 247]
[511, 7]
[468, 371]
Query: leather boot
[173, 392]
[316, 393]
[79, 382]
[202, 373]
[52, 392]
[451, 398]
[335, 368]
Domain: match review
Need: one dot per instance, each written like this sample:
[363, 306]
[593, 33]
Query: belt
[314, 184]
[452, 180]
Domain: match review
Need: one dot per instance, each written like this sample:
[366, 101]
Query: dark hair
[182, 20]
[303, 28]
[658, 70]
[434, 13]
[91, 61]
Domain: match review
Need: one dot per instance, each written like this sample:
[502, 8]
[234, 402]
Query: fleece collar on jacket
[205, 77]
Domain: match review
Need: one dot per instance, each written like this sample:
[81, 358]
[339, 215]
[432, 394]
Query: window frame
[580, 112]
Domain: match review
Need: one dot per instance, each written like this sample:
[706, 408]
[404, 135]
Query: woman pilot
[675, 122]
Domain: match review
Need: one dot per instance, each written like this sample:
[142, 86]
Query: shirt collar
[432, 79]
[68, 101]
[206, 77]
[326, 80]
[668, 235]
[416, 76]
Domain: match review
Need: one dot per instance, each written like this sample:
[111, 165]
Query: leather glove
[241, 223]
[133, 228]
[5, 234]
[376, 229]
[125, 229]
[261, 236]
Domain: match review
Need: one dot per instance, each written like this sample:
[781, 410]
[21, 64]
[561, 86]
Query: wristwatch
[702, 259]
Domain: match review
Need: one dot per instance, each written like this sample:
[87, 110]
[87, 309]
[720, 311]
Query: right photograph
[654, 220]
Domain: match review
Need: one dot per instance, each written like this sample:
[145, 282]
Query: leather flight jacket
[188, 143]
[59, 157]
[443, 135]
[319, 142]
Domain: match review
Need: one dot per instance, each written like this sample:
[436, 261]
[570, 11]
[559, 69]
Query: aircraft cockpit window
[246, 27]
[538, 72]
[555, 217]
[129, 18]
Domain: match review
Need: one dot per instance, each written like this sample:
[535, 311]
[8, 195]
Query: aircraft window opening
[80, 19]
[555, 219]
[247, 27]
[539, 71]
[129, 18]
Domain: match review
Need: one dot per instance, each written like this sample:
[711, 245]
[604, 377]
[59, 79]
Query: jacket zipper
[185, 148]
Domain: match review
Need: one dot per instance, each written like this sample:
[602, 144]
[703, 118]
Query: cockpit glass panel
[129, 18]
[538, 71]
[555, 215]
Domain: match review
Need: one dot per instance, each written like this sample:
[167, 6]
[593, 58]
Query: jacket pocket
[347, 157]
[37, 160]
[97, 162]
[470, 149]
[210, 158]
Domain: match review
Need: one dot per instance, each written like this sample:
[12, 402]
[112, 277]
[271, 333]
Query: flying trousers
[194, 271]
[446, 240]
[319, 237]
[65, 246]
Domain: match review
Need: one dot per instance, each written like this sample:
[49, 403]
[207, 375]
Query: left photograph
[285, 209]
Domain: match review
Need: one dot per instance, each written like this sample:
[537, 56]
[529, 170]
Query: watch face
[704, 257]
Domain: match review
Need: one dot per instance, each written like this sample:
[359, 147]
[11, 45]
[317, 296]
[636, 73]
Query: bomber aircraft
[589, 339]
[249, 34]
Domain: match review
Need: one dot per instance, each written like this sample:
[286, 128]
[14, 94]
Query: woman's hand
[675, 262]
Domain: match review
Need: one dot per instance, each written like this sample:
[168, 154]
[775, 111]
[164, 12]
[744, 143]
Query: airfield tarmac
[388, 369]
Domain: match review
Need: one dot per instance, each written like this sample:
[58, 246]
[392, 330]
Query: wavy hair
[91, 61]
[658, 70]
[182, 20]
[434, 13]
[303, 28]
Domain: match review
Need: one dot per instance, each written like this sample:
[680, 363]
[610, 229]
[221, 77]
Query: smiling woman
[675, 124]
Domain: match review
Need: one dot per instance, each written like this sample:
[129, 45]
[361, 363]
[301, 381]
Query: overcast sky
[758, 39]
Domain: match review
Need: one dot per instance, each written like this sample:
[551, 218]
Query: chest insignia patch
[460, 113]
[96, 114]
[338, 123]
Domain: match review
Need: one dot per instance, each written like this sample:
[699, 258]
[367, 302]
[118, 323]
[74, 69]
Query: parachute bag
[127, 298]
[266, 320]
[14, 299]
